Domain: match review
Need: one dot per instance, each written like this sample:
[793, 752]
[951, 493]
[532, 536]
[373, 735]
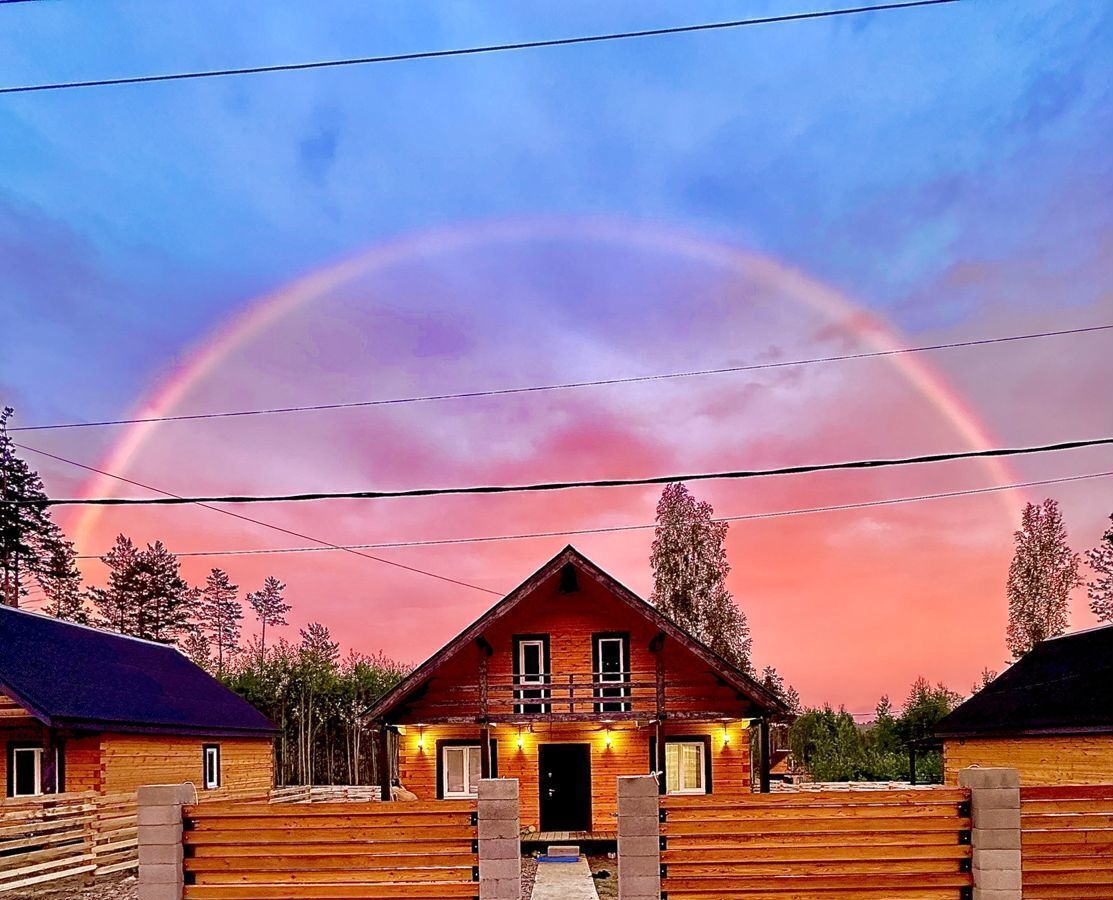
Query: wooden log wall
[1066, 836]
[44, 839]
[372, 851]
[842, 845]
[1077, 759]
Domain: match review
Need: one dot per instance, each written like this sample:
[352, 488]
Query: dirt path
[123, 888]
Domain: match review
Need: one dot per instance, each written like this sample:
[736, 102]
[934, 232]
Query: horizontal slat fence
[331, 851]
[1066, 836]
[836, 845]
[325, 793]
[48, 838]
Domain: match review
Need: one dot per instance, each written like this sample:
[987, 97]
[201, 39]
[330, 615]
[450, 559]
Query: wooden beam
[763, 740]
[657, 647]
[484, 688]
[484, 752]
[662, 777]
[383, 755]
[48, 770]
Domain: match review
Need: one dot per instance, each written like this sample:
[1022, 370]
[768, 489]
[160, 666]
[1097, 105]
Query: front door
[565, 783]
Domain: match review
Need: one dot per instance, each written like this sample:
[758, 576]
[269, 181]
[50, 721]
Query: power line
[176, 500]
[612, 529]
[272, 526]
[568, 385]
[471, 51]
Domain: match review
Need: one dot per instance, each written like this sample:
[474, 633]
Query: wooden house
[1050, 715]
[87, 710]
[567, 682]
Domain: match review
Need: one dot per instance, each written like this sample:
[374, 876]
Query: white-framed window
[461, 767]
[684, 767]
[530, 670]
[611, 664]
[211, 759]
[27, 766]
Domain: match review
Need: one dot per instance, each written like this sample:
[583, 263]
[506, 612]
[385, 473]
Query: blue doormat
[558, 859]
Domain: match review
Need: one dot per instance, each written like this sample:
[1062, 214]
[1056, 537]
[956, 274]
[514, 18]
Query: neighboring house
[564, 684]
[87, 710]
[1050, 715]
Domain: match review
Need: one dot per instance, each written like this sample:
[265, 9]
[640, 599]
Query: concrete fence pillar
[500, 849]
[160, 840]
[639, 838]
[995, 810]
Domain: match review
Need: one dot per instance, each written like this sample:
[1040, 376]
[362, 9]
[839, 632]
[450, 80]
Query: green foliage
[319, 703]
[831, 746]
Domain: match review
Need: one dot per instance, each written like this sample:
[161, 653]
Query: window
[212, 766]
[684, 767]
[460, 767]
[531, 666]
[611, 654]
[25, 770]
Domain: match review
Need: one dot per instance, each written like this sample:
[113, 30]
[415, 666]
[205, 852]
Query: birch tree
[1100, 590]
[1043, 572]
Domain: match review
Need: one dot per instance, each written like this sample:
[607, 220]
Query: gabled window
[211, 762]
[531, 667]
[25, 770]
[611, 663]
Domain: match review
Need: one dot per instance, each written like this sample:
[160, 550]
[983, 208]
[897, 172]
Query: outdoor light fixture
[521, 740]
[421, 738]
[726, 737]
[607, 738]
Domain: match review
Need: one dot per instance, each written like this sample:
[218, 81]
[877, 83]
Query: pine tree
[28, 536]
[317, 642]
[1044, 571]
[221, 613]
[196, 646]
[270, 608]
[61, 583]
[690, 567]
[984, 680]
[773, 681]
[146, 595]
[1100, 590]
[117, 601]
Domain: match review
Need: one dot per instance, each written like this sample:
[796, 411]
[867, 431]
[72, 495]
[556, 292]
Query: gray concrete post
[995, 809]
[639, 838]
[500, 848]
[160, 840]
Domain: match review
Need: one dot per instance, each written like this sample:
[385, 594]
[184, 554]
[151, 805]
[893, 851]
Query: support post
[485, 752]
[500, 851]
[639, 838]
[48, 769]
[995, 838]
[160, 840]
[386, 794]
[911, 765]
[763, 740]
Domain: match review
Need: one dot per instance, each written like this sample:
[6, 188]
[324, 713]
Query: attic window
[569, 581]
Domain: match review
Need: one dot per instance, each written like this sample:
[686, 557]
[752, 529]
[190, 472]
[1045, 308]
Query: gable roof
[73, 676]
[731, 674]
[1063, 685]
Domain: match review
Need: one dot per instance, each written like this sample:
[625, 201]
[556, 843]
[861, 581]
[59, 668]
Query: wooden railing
[571, 695]
[248, 851]
[1066, 838]
[324, 793]
[43, 839]
[842, 845]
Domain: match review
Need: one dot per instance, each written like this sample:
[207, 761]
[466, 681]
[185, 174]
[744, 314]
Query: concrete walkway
[564, 881]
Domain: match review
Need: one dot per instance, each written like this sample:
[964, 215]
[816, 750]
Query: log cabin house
[567, 682]
[1050, 715]
[87, 710]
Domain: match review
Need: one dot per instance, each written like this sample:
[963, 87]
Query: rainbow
[267, 310]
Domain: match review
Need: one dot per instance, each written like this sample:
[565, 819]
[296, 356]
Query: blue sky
[949, 168]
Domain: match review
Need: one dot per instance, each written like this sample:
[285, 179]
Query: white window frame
[622, 700]
[470, 790]
[37, 753]
[533, 681]
[211, 751]
[681, 789]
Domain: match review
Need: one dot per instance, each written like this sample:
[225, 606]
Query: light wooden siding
[1077, 759]
[83, 764]
[627, 755]
[129, 761]
[1067, 841]
[570, 620]
[11, 713]
[849, 845]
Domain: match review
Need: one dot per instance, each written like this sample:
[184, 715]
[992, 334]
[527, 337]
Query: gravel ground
[121, 888]
[607, 888]
[529, 874]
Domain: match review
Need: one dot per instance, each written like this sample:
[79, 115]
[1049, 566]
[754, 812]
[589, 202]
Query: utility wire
[469, 51]
[568, 385]
[741, 474]
[612, 529]
[272, 526]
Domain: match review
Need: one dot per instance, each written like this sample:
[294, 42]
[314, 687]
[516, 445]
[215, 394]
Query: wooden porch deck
[568, 837]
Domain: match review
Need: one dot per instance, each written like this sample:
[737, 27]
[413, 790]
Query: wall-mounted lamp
[521, 740]
[607, 738]
[421, 738]
[726, 737]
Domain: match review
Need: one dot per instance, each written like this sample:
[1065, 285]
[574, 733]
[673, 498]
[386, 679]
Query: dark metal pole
[763, 740]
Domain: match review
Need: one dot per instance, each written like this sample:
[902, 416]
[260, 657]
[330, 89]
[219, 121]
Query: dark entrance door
[565, 782]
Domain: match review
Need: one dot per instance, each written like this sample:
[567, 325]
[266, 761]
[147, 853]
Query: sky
[754, 195]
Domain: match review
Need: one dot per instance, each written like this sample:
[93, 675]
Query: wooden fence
[257, 851]
[836, 845]
[1066, 836]
[325, 793]
[44, 839]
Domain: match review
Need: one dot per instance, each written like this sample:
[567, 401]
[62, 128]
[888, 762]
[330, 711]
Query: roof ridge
[1071, 634]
